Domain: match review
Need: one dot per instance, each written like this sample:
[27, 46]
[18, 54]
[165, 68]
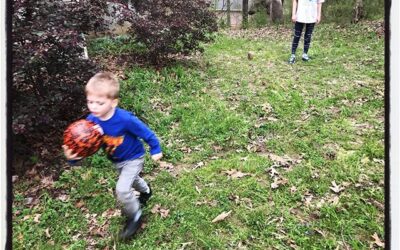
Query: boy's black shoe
[132, 225]
[144, 197]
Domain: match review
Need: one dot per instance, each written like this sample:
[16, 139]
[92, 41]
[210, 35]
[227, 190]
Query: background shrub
[342, 11]
[50, 67]
[49, 71]
[333, 11]
[171, 27]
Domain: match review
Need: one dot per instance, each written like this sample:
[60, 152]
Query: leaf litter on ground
[221, 216]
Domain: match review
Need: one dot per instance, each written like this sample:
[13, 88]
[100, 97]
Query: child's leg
[307, 36]
[140, 185]
[129, 173]
[298, 27]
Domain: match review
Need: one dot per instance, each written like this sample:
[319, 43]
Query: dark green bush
[49, 71]
[49, 67]
[168, 27]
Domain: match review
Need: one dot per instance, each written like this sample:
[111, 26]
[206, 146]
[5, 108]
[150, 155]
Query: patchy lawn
[259, 154]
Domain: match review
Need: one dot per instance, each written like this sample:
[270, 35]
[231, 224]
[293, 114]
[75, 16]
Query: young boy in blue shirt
[122, 134]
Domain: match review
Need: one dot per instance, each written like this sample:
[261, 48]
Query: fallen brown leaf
[76, 237]
[320, 232]
[315, 175]
[279, 220]
[235, 198]
[247, 202]
[26, 217]
[274, 185]
[28, 200]
[199, 164]
[37, 218]
[285, 161]
[244, 158]
[47, 233]
[165, 165]
[272, 171]
[80, 204]
[212, 203]
[320, 203]
[47, 181]
[377, 204]
[111, 213]
[278, 236]
[221, 216]
[378, 241]
[235, 174]
[162, 211]
[63, 197]
[32, 172]
[278, 159]
[217, 148]
[278, 181]
[185, 244]
[334, 200]
[308, 198]
[335, 188]
[186, 149]
[379, 161]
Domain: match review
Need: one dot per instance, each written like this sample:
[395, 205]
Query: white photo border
[393, 144]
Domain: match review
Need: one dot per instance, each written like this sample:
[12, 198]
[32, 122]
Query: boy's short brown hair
[105, 83]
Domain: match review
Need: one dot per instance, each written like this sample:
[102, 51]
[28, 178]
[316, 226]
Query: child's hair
[105, 83]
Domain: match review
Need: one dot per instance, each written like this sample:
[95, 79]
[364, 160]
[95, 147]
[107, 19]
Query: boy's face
[101, 106]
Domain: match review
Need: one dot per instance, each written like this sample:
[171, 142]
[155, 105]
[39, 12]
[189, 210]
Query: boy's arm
[141, 130]
[294, 11]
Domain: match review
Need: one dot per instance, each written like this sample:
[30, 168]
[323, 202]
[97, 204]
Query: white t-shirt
[307, 10]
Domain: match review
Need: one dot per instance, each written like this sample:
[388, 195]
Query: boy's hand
[68, 154]
[157, 157]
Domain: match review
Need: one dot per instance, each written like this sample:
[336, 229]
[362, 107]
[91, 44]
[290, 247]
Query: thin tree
[228, 13]
[245, 11]
[358, 10]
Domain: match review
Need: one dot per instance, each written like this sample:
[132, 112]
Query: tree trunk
[276, 11]
[245, 10]
[358, 11]
[228, 13]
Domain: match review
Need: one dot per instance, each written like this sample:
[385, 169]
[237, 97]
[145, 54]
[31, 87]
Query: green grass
[223, 112]
[118, 45]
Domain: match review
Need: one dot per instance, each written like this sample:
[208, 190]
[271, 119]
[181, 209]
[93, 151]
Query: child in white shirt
[304, 13]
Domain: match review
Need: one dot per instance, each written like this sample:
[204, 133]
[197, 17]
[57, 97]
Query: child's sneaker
[132, 225]
[305, 57]
[292, 59]
[144, 197]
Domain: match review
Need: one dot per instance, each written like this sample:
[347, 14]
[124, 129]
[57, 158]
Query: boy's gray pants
[128, 178]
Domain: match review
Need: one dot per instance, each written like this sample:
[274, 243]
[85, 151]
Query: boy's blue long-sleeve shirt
[122, 134]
